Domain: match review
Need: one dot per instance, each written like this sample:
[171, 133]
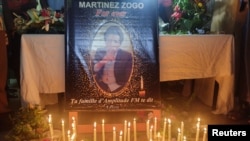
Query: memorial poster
[112, 54]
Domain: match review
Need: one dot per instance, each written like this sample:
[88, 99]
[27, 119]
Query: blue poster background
[86, 22]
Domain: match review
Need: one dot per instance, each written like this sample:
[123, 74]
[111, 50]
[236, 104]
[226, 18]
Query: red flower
[176, 15]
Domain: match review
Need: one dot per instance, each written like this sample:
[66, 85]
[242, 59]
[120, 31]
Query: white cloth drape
[42, 66]
[201, 56]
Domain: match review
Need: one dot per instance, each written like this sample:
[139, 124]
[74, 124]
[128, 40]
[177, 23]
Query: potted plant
[29, 123]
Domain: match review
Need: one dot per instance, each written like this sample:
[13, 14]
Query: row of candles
[125, 134]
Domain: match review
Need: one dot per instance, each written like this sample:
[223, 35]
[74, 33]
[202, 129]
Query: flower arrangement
[28, 123]
[188, 17]
[42, 21]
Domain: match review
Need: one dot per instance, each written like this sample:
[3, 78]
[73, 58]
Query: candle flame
[50, 118]
[169, 120]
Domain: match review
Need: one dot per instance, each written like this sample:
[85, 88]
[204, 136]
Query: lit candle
[164, 129]
[204, 134]
[128, 131]
[51, 126]
[197, 132]
[151, 133]
[142, 83]
[169, 130]
[179, 134]
[68, 135]
[103, 131]
[184, 138]
[63, 130]
[74, 126]
[73, 137]
[158, 136]
[155, 127]
[125, 130]
[135, 134]
[147, 128]
[94, 131]
[114, 134]
[120, 137]
[199, 121]
[182, 130]
[73, 120]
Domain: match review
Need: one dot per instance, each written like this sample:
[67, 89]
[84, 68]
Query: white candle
[128, 131]
[147, 128]
[204, 134]
[151, 133]
[158, 136]
[120, 137]
[164, 129]
[51, 126]
[198, 121]
[169, 130]
[68, 135]
[142, 83]
[182, 130]
[135, 134]
[179, 134]
[125, 130]
[197, 132]
[94, 131]
[63, 130]
[184, 138]
[73, 137]
[103, 131]
[155, 127]
[73, 120]
[73, 128]
[114, 134]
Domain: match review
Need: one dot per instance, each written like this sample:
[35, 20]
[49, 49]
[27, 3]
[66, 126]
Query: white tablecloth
[181, 57]
[201, 56]
[193, 56]
[42, 67]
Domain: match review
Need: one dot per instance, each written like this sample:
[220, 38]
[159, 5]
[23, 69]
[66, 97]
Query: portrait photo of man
[112, 64]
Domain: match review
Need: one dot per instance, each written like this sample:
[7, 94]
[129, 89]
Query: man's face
[113, 42]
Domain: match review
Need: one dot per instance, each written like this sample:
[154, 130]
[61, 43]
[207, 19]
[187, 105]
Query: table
[181, 57]
[42, 68]
[201, 56]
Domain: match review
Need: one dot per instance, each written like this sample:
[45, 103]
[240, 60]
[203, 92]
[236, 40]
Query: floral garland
[42, 21]
[188, 17]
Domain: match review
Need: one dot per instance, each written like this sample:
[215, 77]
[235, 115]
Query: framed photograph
[112, 54]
